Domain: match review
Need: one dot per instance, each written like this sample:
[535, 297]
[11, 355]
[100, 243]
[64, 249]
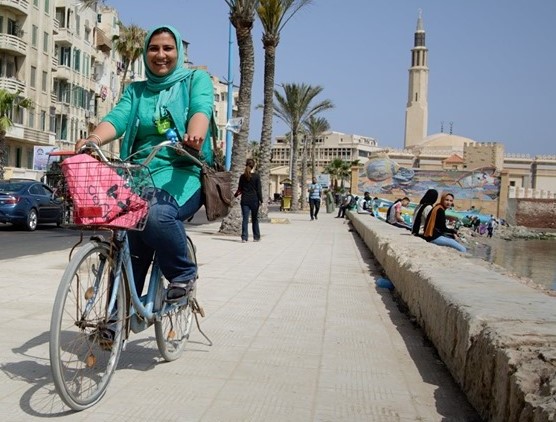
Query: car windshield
[11, 187]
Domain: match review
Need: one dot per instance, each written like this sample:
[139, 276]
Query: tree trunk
[313, 159]
[266, 133]
[295, 177]
[3, 158]
[232, 223]
[303, 182]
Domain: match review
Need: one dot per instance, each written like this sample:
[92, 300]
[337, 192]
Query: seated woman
[422, 211]
[435, 226]
[394, 213]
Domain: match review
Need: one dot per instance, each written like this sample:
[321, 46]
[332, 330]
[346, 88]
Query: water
[535, 259]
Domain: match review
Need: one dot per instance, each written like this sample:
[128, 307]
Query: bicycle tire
[173, 328]
[82, 362]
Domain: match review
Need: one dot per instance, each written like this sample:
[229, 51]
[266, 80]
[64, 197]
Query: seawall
[496, 335]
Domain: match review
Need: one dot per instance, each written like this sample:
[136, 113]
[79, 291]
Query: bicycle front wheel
[85, 335]
[173, 327]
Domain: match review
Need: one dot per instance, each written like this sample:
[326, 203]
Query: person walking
[315, 192]
[491, 225]
[249, 187]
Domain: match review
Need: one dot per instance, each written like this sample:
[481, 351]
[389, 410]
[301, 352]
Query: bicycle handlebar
[177, 146]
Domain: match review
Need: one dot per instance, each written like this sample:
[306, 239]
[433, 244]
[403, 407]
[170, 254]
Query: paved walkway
[300, 333]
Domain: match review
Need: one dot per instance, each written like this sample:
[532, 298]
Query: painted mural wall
[383, 176]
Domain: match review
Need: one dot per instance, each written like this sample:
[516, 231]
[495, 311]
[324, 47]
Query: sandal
[178, 291]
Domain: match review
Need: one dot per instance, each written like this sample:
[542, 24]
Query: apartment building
[27, 62]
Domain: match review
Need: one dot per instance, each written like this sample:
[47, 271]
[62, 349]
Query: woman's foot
[177, 290]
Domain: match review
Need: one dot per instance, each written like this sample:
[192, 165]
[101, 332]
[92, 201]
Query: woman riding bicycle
[172, 98]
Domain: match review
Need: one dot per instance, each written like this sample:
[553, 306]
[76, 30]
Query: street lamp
[228, 162]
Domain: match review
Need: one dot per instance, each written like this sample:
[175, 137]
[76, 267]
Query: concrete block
[496, 336]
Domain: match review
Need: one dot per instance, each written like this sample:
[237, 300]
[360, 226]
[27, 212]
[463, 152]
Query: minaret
[416, 113]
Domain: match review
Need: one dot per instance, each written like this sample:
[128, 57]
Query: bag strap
[212, 124]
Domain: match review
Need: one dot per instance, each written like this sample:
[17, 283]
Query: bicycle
[97, 304]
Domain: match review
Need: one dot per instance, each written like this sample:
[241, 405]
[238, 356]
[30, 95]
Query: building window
[65, 57]
[33, 81]
[34, 35]
[77, 24]
[43, 120]
[36, 3]
[512, 183]
[47, 6]
[45, 43]
[76, 59]
[44, 81]
[31, 119]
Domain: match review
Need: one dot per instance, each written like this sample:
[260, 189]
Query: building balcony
[12, 85]
[54, 63]
[63, 72]
[28, 135]
[103, 43]
[64, 37]
[13, 44]
[55, 26]
[19, 7]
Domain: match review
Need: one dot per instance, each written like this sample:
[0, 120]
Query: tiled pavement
[300, 333]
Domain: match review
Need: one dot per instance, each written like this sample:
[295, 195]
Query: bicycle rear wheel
[172, 329]
[85, 338]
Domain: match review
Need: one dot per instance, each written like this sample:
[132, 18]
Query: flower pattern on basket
[100, 195]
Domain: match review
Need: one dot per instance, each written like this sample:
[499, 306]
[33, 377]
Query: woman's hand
[195, 142]
[82, 142]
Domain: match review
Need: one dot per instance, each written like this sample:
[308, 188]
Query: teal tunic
[133, 116]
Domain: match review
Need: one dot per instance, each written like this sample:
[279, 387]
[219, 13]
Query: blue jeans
[165, 234]
[253, 209]
[446, 241]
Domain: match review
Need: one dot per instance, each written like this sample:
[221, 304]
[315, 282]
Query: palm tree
[338, 169]
[315, 127]
[129, 44]
[242, 17]
[254, 151]
[274, 15]
[8, 102]
[294, 107]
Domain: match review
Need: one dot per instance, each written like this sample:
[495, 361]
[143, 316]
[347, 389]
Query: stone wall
[532, 213]
[496, 335]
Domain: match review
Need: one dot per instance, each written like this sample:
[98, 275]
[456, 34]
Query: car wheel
[32, 220]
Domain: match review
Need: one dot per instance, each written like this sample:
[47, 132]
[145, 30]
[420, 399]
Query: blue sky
[492, 62]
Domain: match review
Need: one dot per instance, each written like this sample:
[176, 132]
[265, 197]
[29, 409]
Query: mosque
[478, 173]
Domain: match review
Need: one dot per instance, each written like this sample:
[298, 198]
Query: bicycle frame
[142, 307]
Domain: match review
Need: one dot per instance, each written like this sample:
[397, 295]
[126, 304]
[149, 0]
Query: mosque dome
[444, 141]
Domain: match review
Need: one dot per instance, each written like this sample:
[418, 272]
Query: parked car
[29, 203]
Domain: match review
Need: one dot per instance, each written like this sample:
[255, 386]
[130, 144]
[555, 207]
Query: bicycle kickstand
[198, 310]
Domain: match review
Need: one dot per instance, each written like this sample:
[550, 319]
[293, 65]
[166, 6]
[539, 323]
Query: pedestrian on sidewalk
[315, 192]
[249, 187]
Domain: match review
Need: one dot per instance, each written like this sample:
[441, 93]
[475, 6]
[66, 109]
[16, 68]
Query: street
[16, 242]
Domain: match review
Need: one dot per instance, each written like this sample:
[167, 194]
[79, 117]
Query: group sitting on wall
[429, 221]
